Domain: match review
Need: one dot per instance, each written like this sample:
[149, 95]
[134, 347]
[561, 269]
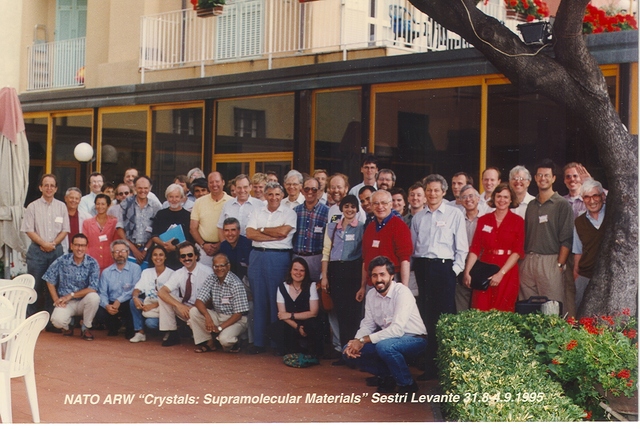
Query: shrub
[483, 358]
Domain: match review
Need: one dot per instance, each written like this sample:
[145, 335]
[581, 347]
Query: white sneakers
[138, 337]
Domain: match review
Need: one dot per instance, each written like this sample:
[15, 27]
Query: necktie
[187, 290]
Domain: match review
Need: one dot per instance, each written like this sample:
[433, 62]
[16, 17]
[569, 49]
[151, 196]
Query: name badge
[317, 230]
[149, 229]
[349, 237]
[441, 224]
[225, 300]
[487, 228]
[543, 218]
[58, 219]
[376, 243]
[102, 237]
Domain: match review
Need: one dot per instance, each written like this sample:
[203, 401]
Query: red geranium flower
[624, 374]
[588, 416]
[630, 333]
[572, 344]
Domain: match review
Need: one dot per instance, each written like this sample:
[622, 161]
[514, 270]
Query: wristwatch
[561, 265]
[72, 294]
[220, 328]
[361, 339]
[262, 229]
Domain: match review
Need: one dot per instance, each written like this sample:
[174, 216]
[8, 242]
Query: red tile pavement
[79, 382]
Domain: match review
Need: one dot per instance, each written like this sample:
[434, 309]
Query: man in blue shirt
[312, 219]
[72, 280]
[116, 286]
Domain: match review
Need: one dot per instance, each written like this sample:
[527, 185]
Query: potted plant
[526, 10]
[597, 20]
[595, 359]
[206, 8]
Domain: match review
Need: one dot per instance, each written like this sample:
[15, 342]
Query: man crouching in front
[391, 332]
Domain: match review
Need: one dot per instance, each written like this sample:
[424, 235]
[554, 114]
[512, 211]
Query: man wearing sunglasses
[122, 192]
[179, 293]
[312, 219]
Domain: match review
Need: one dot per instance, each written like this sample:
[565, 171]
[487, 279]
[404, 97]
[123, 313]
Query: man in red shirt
[387, 235]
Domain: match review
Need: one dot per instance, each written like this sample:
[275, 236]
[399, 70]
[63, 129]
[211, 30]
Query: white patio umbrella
[14, 174]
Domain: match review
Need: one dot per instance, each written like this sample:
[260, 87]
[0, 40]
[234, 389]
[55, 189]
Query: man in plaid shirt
[221, 309]
[312, 219]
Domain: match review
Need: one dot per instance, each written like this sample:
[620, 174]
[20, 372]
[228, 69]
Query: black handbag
[480, 273]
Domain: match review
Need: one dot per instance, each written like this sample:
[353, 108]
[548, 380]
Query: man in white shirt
[391, 332]
[490, 179]
[519, 181]
[369, 172]
[440, 249]
[239, 207]
[271, 227]
[293, 185]
[180, 292]
[87, 203]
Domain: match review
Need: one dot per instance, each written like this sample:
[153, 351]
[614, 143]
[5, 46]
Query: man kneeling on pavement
[72, 280]
[390, 333]
[220, 309]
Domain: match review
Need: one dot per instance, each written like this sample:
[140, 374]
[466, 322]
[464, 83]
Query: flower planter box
[535, 33]
[203, 13]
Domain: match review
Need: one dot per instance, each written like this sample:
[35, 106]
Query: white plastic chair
[20, 297]
[25, 279]
[18, 362]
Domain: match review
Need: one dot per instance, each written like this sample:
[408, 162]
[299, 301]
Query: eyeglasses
[381, 203]
[595, 197]
[571, 176]
[544, 176]
[314, 190]
[219, 266]
[122, 194]
[468, 197]
[186, 255]
[120, 252]
[519, 179]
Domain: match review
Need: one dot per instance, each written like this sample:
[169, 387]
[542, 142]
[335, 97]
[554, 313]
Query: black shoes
[255, 350]
[413, 387]
[386, 385]
[172, 339]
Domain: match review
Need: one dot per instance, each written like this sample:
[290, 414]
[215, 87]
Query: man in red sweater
[387, 235]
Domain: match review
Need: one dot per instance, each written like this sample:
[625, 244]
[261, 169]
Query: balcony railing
[56, 64]
[267, 29]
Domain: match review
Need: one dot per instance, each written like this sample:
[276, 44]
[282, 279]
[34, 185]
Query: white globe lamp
[83, 152]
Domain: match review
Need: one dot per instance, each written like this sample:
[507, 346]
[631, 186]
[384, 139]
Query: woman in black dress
[298, 329]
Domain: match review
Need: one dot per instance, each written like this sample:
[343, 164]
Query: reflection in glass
[523, 129]
[338, 131]
[428, 131]
[263, 124]
[177, 145]
[124, 143]
[68, 131]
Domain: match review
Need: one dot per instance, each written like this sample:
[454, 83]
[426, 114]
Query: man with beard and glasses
[180, 292]
[391, 332]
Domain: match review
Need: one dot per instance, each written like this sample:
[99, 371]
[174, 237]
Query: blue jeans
[37, 264]
[267, 270]
[139, 321]
[389, 357]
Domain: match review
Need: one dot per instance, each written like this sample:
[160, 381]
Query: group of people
[246, 269]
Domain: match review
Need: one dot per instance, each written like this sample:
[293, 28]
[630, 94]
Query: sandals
[204, 348]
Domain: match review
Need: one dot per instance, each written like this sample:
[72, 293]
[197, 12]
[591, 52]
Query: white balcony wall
[267, 29]
[56, 64]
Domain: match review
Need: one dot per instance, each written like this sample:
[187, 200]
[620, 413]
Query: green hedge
[483, 359]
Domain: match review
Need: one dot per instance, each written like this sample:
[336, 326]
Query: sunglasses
[120, 194]
[186, 255]
[314, 190]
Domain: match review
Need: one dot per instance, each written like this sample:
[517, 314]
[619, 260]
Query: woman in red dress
[101, 231]
[499, 240]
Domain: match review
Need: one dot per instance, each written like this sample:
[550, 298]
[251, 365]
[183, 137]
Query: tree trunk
[571, 78]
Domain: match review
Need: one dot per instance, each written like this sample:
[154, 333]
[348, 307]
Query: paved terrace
[146, 372]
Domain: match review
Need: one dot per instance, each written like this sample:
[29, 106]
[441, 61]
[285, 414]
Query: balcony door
[69, 51]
